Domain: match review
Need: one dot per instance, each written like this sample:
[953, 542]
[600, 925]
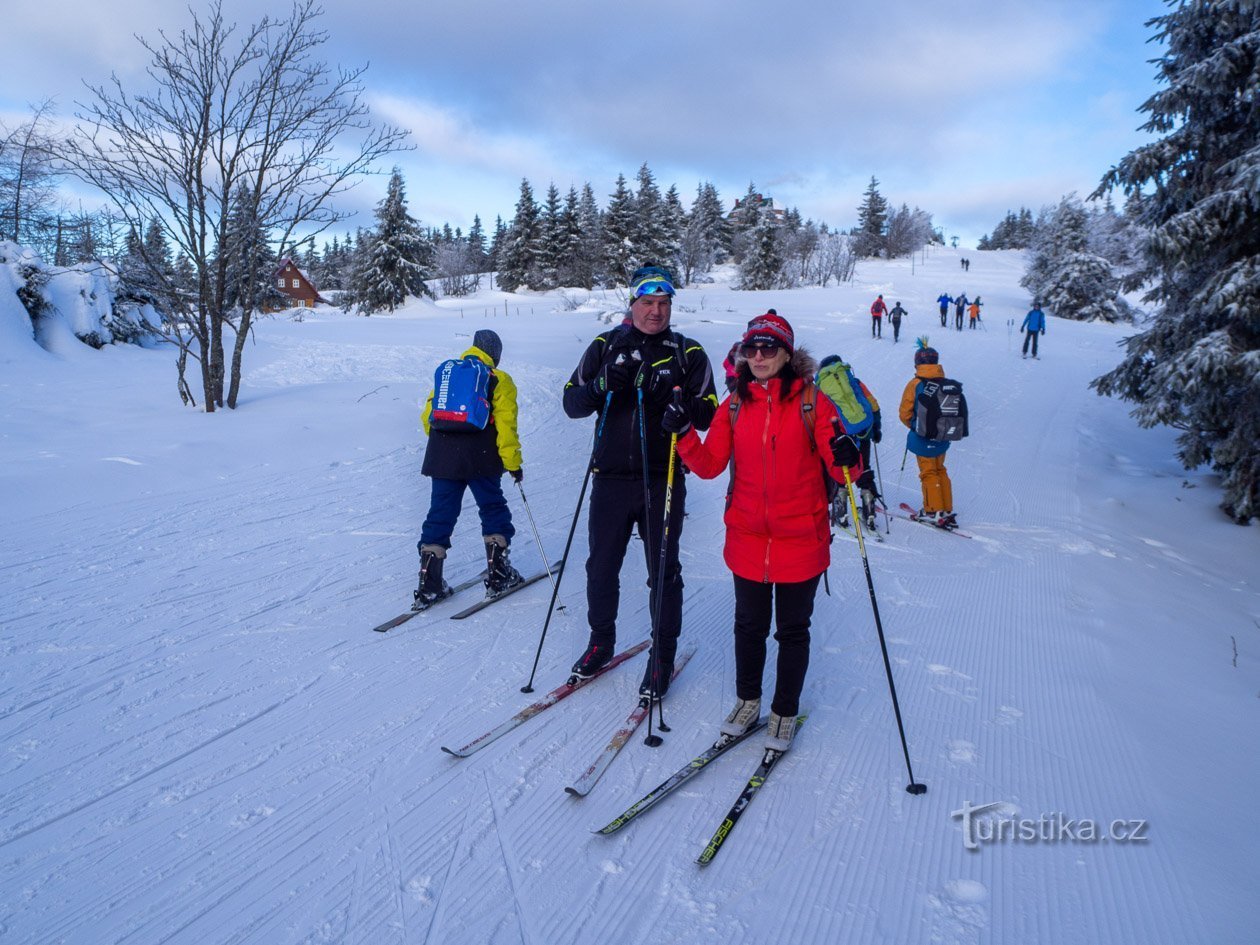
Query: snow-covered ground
[203, 741]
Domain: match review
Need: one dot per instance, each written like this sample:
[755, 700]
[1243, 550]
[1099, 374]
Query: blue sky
[965, 109]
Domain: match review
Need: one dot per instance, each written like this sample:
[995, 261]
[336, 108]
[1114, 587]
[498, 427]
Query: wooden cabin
[294, 283]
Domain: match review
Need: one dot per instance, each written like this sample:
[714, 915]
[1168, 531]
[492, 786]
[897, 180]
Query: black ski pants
[793, 607]
[618, 506]
[1030, 336]
[896, 323]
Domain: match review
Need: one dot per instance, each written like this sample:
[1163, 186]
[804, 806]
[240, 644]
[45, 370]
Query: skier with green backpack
[859, 415]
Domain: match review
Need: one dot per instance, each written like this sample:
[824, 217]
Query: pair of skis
[769, 759]
[587, 780]
[561, 692]
[912, 514]
[468, 611]
[847, 526]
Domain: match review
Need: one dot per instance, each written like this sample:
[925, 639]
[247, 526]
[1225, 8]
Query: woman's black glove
[845, 451]
[676, 419]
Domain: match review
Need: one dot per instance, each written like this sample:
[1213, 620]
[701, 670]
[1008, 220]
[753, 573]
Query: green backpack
[836, 380]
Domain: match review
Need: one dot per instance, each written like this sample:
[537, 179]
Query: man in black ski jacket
[626, 379]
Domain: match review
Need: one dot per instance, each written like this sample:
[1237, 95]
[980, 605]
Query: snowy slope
[204, 742]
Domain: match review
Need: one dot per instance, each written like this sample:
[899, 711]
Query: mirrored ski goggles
[652, 285]
[765, 349]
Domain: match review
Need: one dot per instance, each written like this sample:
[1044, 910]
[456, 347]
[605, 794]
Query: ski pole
[879, 474]
[654, 741]
[555, 590]
[914, 787]
[534, 528]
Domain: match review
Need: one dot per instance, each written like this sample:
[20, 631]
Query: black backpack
[940, 410]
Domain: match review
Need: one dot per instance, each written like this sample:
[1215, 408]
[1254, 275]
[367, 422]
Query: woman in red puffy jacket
[776, 434]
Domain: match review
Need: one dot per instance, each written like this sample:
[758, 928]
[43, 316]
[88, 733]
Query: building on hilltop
[762, 204]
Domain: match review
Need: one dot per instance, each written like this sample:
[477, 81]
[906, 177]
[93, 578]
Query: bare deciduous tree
[28, 173]
[230, 113]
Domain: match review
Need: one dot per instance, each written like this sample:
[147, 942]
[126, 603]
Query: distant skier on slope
[973, 312]
[960, 306]
[776, 516]
[895, 316]
[878, 310]
[1034, 325]
[461, 455]
[943, 300]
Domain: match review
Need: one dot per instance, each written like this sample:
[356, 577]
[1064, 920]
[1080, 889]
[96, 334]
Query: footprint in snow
[960, 914]
[962, 752]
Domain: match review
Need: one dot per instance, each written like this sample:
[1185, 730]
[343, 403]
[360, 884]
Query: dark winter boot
[656, 676]
[868, 508]
[432, 588]
[594, 658]
[840, 511]
[500, 575]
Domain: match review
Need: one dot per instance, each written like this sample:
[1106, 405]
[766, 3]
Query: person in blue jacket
[1034, 325]
[943, 301]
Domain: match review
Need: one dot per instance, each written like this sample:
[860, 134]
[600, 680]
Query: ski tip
[454, 753]
[574, 792]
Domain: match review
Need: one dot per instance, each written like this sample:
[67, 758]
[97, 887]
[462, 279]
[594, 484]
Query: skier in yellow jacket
[476, 460]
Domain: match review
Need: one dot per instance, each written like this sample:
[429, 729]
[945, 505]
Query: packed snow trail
[202, 742]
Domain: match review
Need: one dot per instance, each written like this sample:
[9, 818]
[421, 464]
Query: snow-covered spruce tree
[250, 261]
[872, 222]
[1197, 367]
[762, 264]
[518, 261]
[648, 236]
[673, 220]
[743, 220]
[551, 241]
[586, 265]
[1064, 276]
[570, 271]
[703, 237]
[477, 244]
[399, 258]
[619, 232]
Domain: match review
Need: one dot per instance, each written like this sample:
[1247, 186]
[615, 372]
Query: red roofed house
[293, 282]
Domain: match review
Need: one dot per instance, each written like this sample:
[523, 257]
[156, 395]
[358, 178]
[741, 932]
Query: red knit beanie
[770, 328]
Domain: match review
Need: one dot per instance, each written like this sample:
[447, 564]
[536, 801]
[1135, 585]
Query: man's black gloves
[615, 374]
[517, 474]
[845, 451]
[877, 429]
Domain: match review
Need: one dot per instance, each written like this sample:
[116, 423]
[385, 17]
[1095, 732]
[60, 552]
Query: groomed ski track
[203, 742]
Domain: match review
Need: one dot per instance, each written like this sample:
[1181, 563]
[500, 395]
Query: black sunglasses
[767, 350]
